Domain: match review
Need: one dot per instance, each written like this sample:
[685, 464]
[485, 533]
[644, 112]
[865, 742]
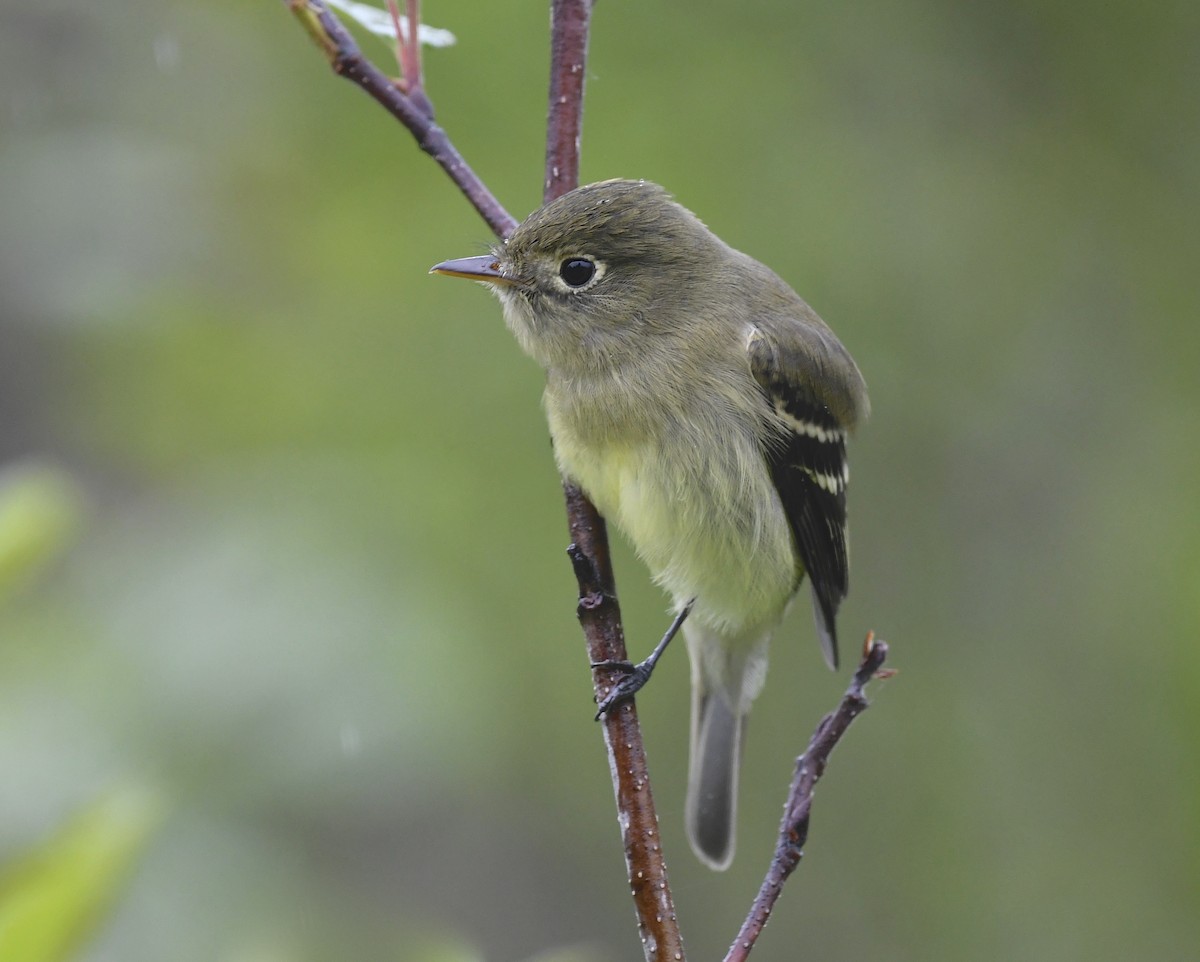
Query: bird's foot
[637, 675]
[635, 679]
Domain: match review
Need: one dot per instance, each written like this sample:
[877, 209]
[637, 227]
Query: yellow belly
[704, 518]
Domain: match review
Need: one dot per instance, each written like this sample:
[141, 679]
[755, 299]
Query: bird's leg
[640, 673]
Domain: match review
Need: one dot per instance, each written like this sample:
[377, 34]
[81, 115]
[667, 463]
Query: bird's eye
[577, 271]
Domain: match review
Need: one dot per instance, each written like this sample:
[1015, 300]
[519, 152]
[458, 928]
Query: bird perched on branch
[704, 407]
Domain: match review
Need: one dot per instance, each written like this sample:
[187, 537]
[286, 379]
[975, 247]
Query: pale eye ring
[577, 271]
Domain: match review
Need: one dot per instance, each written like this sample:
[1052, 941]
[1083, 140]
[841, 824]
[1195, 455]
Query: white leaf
[380, 22]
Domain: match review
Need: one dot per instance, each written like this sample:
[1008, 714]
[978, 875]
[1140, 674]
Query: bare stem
[348, 61]
[793, 829]
[599, 612]
[569, 24]
[412, 45]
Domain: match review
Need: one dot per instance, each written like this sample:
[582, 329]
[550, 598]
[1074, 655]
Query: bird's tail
[712, 778]
[723, 684]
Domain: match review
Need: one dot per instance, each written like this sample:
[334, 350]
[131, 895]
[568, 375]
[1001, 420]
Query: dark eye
[577, 271]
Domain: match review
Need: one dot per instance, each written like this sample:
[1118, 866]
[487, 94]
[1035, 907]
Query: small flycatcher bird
[704, 407]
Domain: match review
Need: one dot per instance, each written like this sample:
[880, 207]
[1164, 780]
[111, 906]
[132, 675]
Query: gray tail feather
[712, 778]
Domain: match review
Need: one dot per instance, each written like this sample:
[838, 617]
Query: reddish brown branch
[410, 45]
[599, 612]
[416, 114]
[793, 830]
[600, 616]
[569, 23]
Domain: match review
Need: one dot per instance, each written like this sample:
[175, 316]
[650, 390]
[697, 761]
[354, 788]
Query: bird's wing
[808, 463]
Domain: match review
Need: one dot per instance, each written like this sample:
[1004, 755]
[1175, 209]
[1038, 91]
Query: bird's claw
[633, 682]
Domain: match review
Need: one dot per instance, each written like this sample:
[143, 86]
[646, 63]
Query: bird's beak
[485, 268]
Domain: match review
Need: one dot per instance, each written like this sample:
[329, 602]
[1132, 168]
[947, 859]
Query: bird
[704, 407]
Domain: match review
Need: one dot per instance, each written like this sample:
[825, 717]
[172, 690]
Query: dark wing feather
[808, 465]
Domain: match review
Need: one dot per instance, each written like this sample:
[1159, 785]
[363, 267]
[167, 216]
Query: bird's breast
[691, 492]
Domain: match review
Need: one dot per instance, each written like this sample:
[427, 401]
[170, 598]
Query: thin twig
[348, 61]
[569, 24]
[407, 69]
[600, 616]
[410, 43]
[793, 829]
[408, 54]
[599, 612]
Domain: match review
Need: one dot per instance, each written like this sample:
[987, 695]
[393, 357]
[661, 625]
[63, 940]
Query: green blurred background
[281, 539]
